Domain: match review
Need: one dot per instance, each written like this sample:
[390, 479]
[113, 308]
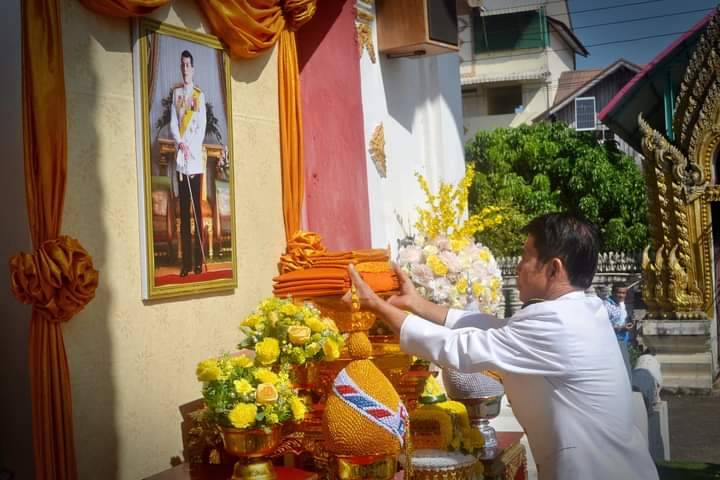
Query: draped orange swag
[58, 279]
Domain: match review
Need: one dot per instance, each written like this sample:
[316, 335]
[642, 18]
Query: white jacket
[564, 376]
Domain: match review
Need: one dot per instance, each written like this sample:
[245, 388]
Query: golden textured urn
[252, 448]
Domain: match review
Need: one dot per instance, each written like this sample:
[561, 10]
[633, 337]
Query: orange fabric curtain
[248, 27]
[123, 8]
[42, 278]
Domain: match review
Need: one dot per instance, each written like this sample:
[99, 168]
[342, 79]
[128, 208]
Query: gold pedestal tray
[368, 467]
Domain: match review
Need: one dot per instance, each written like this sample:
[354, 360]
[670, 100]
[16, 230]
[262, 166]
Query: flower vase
[252, 448]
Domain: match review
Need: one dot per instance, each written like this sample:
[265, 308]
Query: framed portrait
[184, 159]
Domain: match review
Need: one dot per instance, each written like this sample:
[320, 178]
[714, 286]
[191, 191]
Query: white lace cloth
[433, 459]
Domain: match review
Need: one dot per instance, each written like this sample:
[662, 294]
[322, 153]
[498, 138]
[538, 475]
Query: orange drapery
[249, 27]
[58, 279]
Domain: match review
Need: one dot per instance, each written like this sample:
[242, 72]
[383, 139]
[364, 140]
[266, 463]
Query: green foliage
[549, 167]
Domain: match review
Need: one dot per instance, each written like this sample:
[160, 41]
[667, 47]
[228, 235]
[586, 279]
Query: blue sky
[640, 51]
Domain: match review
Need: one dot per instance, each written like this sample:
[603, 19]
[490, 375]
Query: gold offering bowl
[367, 467]
[251, 447]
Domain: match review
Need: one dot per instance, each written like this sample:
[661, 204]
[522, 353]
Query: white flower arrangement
[444, 262]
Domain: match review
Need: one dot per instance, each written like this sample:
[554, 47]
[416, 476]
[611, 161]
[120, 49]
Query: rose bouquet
[241, 394]
[444, 262]
[287, 334]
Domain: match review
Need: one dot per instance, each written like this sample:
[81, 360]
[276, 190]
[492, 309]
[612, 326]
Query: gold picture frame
[186, 188]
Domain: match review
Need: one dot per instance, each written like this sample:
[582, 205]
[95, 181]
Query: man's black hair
[569, 238]
[187, 54]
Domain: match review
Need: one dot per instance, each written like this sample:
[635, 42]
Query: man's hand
[186, 151]
[408, 298]
[369, 300]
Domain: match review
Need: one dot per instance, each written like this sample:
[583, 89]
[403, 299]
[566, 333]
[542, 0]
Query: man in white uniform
[561, 364]
[187, 127]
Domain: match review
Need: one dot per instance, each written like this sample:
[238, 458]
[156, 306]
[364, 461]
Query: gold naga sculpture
[682, 185]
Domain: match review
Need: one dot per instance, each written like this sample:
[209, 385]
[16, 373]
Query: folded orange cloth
[317, 273]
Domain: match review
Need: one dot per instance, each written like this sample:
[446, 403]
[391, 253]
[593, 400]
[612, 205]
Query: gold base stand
[253, 469]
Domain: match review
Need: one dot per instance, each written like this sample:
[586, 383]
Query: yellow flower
[458, 244]
[298, 408]
[251, 321]
[272, 317]
[243, 387]
[432, 388]
[437, 266]
[315, 324]
[208, 370]
[241, 361]
[298, 334]
[330, 323]
[267, 351]
[243, 415]
[266, 393]
[477, 289]
[265, 375]
[331, 349]
[272, 419]
[289, 309]
[461, 285]
[484, 255]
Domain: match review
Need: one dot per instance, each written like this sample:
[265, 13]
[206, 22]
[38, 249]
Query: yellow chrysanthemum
[315, 324]
[432, 388]
[484, 255]
[331, 349]
[243, 415]
[457, 244]
[208, 370]
[477, 289]
[272, 419]
[298, 408]
[437, 266]
[265, 375]
[267, 351]
[242, 361]
[243, 387]
[289, 309]
[461, 285]
[251, 321]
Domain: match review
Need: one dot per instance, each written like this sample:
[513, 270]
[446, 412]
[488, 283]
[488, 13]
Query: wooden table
[186, 471]
[510, 463]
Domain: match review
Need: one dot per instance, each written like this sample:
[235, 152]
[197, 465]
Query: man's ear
[556, 267]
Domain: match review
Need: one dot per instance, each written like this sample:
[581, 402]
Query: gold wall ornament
[364, 18]
[377, 150]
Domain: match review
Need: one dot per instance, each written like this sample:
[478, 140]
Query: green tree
[549, 167]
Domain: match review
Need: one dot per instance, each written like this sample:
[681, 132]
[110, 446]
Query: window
[511, 31]
[504, 100]
[585, 118]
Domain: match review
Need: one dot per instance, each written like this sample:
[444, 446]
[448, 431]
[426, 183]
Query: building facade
[512, 55]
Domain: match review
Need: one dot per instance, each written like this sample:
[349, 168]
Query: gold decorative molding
[377, 150]
[364, 18]
[674, 184]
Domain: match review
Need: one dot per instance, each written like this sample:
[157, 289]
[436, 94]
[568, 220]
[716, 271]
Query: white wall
[560, 59]
[419, 103]
[15, 435]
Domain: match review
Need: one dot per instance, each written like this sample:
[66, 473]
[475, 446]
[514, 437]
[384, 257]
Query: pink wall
[336, 192]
